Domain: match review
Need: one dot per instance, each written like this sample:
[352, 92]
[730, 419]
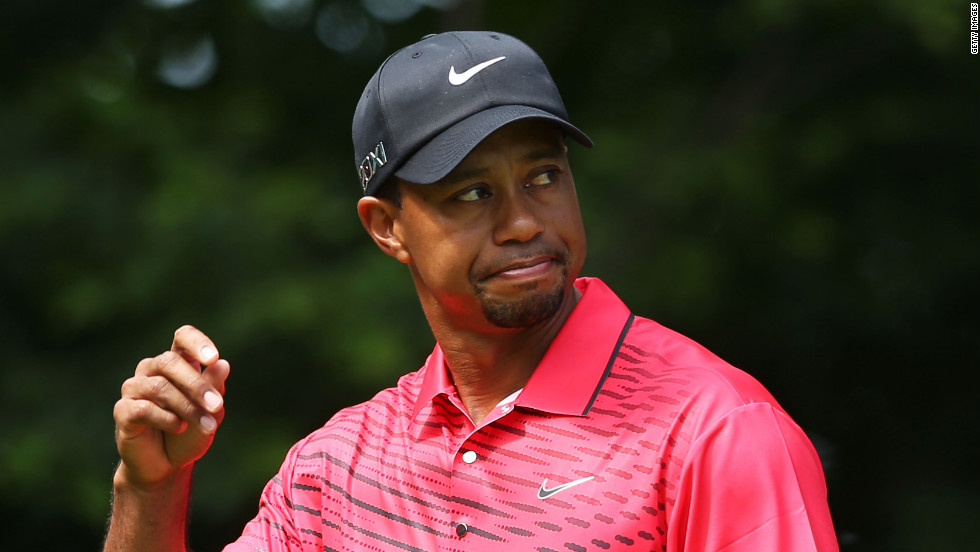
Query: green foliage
[792, 184]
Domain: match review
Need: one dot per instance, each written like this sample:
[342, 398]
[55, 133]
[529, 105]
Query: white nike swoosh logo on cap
[545, 492]
[457, 79]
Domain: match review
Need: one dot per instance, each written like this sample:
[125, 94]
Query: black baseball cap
[431, 103]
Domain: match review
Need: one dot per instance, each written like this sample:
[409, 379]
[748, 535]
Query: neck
[488, 366]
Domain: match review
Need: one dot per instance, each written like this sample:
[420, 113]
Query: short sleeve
[752, 481]
[272, 529]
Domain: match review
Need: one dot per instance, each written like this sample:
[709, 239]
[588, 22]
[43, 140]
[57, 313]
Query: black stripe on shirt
[609, 365]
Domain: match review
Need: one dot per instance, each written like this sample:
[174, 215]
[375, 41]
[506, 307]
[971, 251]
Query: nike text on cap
[431, 103]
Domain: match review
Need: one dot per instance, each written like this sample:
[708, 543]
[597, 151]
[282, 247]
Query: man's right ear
[379, 218]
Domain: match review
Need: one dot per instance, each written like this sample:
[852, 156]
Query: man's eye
[544, 178]
[473, 194]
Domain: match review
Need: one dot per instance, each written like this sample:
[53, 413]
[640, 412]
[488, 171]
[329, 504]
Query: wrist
[124, 480]
[148, 517]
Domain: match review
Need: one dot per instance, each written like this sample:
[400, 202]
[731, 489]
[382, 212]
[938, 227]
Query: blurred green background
[793, 184]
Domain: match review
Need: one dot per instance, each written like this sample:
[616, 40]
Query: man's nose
[518, 219]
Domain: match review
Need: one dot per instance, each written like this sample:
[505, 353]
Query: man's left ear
[379, 218]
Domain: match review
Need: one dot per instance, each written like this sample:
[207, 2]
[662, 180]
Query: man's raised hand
[170, 409]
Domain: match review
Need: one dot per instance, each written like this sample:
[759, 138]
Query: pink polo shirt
[628, 436]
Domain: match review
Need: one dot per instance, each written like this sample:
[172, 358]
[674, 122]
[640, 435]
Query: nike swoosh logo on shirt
[457, 79]
[544, 492]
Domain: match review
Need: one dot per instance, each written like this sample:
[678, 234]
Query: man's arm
[165, 421]
[148, 519]
[752, 482]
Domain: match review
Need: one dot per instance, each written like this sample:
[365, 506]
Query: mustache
[487, 268]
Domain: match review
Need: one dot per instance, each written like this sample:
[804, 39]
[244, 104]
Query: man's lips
[525, 268]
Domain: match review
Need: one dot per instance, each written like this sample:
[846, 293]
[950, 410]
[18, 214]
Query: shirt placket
[469, 481]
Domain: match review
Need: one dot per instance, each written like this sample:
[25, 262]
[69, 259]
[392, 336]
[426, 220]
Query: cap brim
[441, 154]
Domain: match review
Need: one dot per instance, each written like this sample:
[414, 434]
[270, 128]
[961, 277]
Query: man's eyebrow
[456, 177]
[548, 152]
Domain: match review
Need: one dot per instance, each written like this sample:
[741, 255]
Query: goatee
[533, 308]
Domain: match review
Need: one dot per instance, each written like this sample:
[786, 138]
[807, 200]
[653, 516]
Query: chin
[530, 309]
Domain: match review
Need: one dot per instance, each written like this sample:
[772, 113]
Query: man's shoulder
[396, 401]
[672, 389]
[650, 348]
[679, 361]
[373, 419]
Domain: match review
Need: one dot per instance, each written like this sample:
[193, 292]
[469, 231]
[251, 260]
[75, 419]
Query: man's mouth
[525, 268]
[528, 267]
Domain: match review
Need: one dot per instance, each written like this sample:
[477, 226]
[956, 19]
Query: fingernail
[208, 352]
[212, 400]
[208, 424]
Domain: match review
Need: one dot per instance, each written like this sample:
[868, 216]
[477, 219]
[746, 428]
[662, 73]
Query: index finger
[192, 344]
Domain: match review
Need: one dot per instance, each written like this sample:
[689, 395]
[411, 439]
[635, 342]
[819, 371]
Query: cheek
[568, 220]
[440, 257]
[577, 246]
[572, 233]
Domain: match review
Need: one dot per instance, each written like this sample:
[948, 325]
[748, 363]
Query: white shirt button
[469, 456]
[507, 408]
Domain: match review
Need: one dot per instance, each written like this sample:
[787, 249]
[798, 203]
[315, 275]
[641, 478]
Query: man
[548, 417]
